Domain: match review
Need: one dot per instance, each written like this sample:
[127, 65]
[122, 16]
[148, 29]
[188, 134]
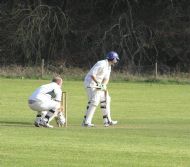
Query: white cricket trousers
[46, 105]
[95, 97]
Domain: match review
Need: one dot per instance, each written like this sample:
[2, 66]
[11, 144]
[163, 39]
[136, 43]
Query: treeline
[79, 32]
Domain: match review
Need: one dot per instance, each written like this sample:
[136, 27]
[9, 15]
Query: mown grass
[153, 129]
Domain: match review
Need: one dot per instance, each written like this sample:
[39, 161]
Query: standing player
[95, 84]
[46, 101]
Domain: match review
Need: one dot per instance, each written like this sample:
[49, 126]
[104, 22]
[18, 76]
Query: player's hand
[103, 87]
[99, 85]
[61, 109]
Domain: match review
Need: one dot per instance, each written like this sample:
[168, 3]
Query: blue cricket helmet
[112, 55]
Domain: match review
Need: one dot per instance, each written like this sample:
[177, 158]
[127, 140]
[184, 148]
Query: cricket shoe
[106, 124]
[36, 124]
[110, 123]
[88, 125]
[45, 123]
[113, 122]
[48, 125]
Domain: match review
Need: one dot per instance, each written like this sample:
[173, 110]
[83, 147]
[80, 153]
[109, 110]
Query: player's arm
[105, 81]
[58, 94]
[97, 68]
[94, 79]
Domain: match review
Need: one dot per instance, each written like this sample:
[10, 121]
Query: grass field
[153, 129]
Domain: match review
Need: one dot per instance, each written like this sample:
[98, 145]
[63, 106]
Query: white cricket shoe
[88, 125]
[113, 122]
[48, 125]
[106, 124]
[44, 123]
[37, 124]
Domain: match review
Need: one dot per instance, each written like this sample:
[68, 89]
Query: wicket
[64, 106]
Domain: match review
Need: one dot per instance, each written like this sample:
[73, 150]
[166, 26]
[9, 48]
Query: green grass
[153, 129]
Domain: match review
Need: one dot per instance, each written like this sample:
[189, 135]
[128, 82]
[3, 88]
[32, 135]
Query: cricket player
[46, 101]
[95, 84]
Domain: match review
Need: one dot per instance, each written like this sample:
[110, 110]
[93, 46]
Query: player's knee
[103, 104]
[94, 103]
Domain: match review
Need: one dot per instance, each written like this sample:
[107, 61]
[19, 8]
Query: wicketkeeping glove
[60, 119]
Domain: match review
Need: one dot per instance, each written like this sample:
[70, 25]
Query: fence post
[42, 68]
[156, 70]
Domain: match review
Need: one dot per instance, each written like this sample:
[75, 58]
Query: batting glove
[99, 85]
[104, 87]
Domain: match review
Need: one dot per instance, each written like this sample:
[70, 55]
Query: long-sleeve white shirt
[101, 71]
[48, 91]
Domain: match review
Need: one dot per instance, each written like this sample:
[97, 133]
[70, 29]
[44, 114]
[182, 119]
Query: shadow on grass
[15, 123]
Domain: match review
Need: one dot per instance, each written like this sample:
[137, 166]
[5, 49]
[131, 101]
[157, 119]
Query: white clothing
[47, 105]
[46, 97]
[47, 92]
[101, 70]
[95, 97]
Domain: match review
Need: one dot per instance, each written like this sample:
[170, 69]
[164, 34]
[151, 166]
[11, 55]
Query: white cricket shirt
[101, 70]
[48, 91]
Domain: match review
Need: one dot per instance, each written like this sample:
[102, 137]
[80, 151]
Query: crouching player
[46, 101]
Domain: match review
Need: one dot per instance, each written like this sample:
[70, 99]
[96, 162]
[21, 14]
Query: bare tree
[41, 33]
[132, 39]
